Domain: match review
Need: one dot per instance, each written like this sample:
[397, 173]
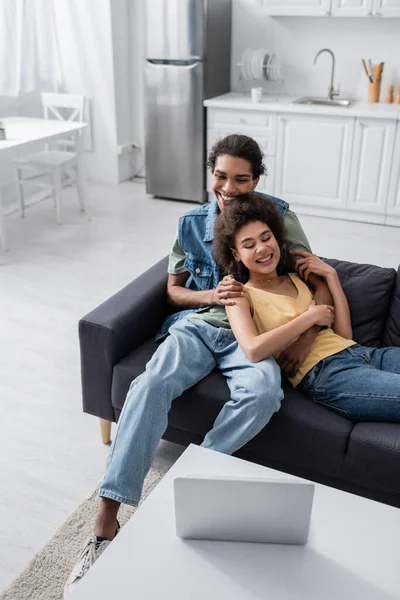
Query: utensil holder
[374, 90]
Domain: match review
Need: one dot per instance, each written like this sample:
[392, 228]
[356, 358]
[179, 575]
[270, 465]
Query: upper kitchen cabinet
[313, 161]
[370, 166]
[301, 8]
[332, 8]
[352, 8]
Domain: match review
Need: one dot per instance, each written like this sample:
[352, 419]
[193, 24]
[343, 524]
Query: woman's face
[232, 176]
[257, 248]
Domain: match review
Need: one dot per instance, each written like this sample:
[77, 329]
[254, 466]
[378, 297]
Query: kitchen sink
[323, 101]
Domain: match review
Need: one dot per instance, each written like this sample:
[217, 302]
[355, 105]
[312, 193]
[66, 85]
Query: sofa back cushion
[392, 332]
[369, 291]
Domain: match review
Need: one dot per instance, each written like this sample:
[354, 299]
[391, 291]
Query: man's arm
[179, 296]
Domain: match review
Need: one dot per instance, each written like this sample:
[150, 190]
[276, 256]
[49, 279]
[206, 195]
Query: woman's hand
[227, 289]
[323, 315]
[312, 264]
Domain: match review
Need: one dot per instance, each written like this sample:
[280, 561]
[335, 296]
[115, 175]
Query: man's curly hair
[236, 214]
[239, 146]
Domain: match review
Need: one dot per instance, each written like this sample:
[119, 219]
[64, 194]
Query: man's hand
[310, 263]
[227, 289]
[293, 356]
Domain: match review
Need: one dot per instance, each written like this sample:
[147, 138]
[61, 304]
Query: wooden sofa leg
[105, 427]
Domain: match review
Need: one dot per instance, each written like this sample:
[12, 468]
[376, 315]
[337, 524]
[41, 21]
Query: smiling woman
[257, 240]
[360, 383]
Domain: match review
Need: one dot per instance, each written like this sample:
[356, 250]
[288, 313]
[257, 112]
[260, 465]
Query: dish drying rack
[272, 81]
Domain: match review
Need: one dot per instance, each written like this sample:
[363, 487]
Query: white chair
[51, 168]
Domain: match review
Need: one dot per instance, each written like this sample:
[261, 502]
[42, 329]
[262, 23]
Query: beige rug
[44, 577]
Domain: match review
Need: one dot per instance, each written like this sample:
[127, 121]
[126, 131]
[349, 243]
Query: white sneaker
[94, 547]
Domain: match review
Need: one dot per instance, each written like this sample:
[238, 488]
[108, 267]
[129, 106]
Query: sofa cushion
[369, 290]
[373, 457]
[301, 433]
[304, 433]
[392, 333]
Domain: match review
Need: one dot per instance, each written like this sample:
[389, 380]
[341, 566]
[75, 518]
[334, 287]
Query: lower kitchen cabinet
[370, 165]
[302, 8]
[323, 165]
[313, 161]
[393, 201]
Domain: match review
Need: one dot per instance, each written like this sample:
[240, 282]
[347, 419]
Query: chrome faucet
[332, 92]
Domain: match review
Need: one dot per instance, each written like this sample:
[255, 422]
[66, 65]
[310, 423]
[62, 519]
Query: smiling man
[198, 339]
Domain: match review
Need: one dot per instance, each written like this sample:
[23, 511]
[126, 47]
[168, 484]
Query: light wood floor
[51, 456]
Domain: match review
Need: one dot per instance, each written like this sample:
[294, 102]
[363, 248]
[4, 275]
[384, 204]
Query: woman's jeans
[191, 351]
[360, 383]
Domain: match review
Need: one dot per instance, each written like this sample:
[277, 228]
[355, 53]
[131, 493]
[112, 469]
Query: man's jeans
[191, 351]
[360, 383]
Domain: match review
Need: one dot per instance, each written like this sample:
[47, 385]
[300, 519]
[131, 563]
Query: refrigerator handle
[184, 62]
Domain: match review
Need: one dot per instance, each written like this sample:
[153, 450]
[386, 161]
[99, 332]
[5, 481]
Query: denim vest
[195, 237]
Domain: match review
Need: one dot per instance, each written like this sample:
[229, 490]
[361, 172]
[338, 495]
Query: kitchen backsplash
[296, 40]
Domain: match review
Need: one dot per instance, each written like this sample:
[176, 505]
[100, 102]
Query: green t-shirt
[216, 314]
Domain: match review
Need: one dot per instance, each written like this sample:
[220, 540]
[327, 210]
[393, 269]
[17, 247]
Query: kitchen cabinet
[371, 162]
[338, 163]
[301, 8]
[386, 8]
[393, 201]
[352, 8]
[313, 161]
[333, 8]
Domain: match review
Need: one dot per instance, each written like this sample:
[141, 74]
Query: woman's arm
[260, 346]
[342, 322]
[313, 264]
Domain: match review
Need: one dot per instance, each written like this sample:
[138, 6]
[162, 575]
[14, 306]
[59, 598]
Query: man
[198, 340]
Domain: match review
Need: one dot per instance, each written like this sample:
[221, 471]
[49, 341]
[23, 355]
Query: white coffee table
[353, 551]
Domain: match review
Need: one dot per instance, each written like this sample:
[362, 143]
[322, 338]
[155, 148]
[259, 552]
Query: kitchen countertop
[272, 103]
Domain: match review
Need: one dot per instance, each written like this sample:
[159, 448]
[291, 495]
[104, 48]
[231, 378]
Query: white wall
[136, 76]
[85, 37]
[296, 40]
[101, 58]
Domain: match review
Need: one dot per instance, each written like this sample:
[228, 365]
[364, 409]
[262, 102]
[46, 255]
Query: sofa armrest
[115, 328]
[392, 332]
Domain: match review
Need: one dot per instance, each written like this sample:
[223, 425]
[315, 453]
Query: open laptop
[242, 509]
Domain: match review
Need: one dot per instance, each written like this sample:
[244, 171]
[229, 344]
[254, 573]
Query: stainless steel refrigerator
[187, 59]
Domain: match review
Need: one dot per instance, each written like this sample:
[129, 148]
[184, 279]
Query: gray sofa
[303, 438]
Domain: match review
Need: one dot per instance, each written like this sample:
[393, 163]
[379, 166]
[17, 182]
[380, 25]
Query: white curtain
[29, 55]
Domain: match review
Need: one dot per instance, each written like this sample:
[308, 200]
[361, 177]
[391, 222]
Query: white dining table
[23, 132]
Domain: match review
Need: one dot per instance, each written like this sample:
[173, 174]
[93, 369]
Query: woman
[357, 382]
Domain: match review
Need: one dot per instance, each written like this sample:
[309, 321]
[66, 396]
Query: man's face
[232, 176]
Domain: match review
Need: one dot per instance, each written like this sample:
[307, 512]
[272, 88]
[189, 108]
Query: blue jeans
[191, 351]
[360, 383]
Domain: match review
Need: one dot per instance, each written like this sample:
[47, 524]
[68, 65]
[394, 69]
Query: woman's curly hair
[236, 214]
[239, 146]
